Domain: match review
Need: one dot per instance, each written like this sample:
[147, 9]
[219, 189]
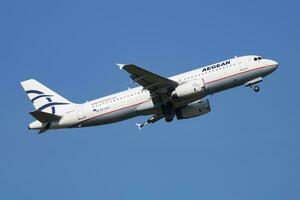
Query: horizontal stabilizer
[44, 117]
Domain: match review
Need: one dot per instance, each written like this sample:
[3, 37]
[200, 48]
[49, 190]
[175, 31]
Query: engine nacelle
[191, 88]
[193, 110]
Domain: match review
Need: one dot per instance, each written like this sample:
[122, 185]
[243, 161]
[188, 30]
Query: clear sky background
[248, 147]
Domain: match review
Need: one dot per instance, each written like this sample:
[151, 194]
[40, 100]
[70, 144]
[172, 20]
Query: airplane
[182, 96]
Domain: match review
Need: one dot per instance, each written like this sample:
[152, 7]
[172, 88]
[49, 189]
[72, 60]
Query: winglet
[120, 65]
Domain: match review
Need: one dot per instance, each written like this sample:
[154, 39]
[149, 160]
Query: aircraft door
[243, 65]
[80, 112]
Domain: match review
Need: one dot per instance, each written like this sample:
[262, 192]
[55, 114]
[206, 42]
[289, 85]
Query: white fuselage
[133, 102]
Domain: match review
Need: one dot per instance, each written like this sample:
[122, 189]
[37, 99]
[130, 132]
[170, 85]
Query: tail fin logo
[47, 97]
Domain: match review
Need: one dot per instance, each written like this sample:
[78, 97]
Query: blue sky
[246, 148]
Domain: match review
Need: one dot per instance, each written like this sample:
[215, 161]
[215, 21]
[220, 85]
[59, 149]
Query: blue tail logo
[47, 97]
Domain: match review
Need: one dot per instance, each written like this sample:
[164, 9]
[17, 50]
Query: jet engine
[191, 88]
[194, 109]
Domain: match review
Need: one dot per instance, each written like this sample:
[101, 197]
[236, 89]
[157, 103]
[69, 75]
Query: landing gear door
[80, 112]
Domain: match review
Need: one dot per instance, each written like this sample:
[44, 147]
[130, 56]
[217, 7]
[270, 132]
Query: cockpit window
[257, 58]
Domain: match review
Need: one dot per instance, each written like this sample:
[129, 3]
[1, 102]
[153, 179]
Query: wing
[150, 81]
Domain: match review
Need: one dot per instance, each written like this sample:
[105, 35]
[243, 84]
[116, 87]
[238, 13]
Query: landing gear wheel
[256, 88]
[168, 111]
[169, 119]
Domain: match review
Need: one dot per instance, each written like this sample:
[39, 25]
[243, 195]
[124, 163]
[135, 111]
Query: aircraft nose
[274, 65]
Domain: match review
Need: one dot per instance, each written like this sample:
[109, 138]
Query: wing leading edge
[149, 80]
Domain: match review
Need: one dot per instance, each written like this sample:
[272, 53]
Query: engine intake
[191, 88]
[193, 110]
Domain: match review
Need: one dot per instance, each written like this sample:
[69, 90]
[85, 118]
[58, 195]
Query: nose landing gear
[256, 88]
[253, 83]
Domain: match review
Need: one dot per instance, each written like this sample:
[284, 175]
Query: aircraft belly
[221, 85]
[234, 81]
[112, 116]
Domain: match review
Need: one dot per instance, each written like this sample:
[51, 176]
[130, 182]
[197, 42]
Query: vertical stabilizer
[45, 99]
